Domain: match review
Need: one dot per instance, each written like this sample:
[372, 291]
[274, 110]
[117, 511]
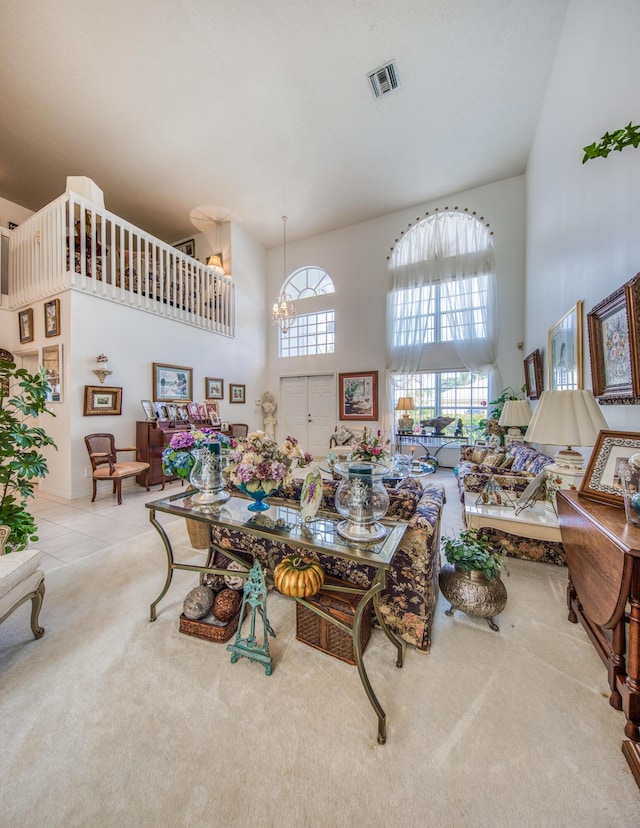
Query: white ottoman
[21, 580]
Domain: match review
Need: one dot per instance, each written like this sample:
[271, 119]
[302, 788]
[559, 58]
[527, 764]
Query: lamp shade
[566, 418]
[515, 413]
[406, 404]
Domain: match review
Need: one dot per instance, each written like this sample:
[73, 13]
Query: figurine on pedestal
[269, 406]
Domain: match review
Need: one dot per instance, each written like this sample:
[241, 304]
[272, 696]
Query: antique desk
[603, 555]
[319, 535]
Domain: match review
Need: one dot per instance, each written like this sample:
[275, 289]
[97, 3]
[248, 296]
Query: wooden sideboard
[603, 555]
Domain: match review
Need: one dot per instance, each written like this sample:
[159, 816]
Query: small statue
[459, 431]
[269, 406]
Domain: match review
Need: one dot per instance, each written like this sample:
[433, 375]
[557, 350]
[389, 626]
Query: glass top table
[318, 535]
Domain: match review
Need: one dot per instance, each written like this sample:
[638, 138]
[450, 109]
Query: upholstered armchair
[343, 440]
[21, 580]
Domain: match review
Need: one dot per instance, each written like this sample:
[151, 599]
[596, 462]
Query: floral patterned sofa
[512, 468]
[408, 602]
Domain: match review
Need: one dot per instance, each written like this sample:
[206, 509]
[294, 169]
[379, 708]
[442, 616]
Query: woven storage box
[318, 633]
[209, 632]
[199, 533]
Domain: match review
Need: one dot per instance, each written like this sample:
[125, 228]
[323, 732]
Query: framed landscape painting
[100, 400]
[613, 345]
[565, 351]
[172, 383]
[358, 395]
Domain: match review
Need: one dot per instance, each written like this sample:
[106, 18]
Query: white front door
[307, 410]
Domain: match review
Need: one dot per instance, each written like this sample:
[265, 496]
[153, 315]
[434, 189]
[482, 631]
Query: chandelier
[284, 309]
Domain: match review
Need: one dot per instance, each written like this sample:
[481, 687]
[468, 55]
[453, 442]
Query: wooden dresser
[603, 555]
[151, 440]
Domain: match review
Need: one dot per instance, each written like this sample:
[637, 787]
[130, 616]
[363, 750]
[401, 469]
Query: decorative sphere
[231, 580]
[198, 603]
[227, 603]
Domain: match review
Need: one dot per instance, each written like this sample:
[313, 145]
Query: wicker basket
[321, 634]
[199, 533]
[209, 632]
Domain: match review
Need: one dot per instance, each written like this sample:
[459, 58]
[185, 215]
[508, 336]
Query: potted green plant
[471, 582]
[22, 396]
[490, 427]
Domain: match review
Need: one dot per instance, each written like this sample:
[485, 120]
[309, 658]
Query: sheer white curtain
[442, 300]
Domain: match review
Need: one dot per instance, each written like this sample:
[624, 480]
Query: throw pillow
[493, 458]
[343, 435]
[507, 462]
[477, 455]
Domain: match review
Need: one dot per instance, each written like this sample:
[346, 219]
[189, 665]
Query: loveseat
[512, 469]
[408, 601]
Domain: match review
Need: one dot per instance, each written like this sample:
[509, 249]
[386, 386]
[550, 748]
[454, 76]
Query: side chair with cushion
[239, 431]
[20, 580]
[106, 466]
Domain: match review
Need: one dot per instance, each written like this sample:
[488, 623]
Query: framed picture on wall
[25, 324]
[565, 351]
[613, 345]
[188, 247]
[236, 393]
[172, 383]
[52, 363]
[358, 395]
[101, 400]
[52, 318]
[533, 374]
[214, 388]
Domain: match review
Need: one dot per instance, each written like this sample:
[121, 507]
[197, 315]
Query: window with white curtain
[442, 300]
[314, 332]
[459, 394]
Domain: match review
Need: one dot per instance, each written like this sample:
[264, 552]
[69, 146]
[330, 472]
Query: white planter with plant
[471, 582]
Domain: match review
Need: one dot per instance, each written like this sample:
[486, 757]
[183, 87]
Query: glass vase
[362, 500]
[206, 477]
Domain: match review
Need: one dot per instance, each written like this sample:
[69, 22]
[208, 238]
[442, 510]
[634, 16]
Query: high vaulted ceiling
[264, 107]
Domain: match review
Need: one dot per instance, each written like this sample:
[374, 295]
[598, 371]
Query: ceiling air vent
[384, 79]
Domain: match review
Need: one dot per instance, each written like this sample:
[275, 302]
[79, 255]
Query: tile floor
[70, 530]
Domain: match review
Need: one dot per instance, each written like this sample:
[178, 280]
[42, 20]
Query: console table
[536, 521]
[603, 556]
[319, 535]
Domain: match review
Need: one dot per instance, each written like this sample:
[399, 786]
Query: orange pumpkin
[298, 576]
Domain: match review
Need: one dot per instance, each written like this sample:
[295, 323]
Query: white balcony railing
[72, 243]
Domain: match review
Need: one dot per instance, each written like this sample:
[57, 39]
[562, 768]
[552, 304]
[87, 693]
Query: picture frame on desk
[147, 407]
[613, 345]
[611, 452]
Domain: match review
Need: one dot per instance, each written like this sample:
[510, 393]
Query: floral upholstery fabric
[408, 601]
[526, 462]
[528, 549]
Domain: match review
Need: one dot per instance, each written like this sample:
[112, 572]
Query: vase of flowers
[258, 466]
[197, 456]
[373, 447]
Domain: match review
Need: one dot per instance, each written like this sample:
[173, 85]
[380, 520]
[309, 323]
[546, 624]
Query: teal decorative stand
[254, 595]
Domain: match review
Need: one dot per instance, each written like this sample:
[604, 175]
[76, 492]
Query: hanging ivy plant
[628, 136]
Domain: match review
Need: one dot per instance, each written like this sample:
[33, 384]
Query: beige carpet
[110, 720]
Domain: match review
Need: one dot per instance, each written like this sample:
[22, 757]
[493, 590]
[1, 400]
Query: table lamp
[405, 404]
[566, 418]
[515, 413]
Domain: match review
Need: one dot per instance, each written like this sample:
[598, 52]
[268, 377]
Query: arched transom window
[313, 331]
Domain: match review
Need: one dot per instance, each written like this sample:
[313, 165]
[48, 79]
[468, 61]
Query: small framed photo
[172, 410]
[52, 318]
[147, 407]
[213, 413]
[565, 351]
[187, 247]
[193, 415]
[613, 345]
[172, 383]
[610, 454]
[101, 400]
[52, 364]
[214, 388]
[161, 410]
[237, 393]
[358, 395]
[25, 323]
[183, 413]
[533, 375]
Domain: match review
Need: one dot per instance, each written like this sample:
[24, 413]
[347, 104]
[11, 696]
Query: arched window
[312, 332]
[442, 312]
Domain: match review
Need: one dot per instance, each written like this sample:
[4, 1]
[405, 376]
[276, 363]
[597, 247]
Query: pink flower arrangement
[258, 462]
[373, 447]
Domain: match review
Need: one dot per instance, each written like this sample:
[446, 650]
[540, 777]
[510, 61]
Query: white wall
[583, 225]
[10, 212]
[356, 259]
